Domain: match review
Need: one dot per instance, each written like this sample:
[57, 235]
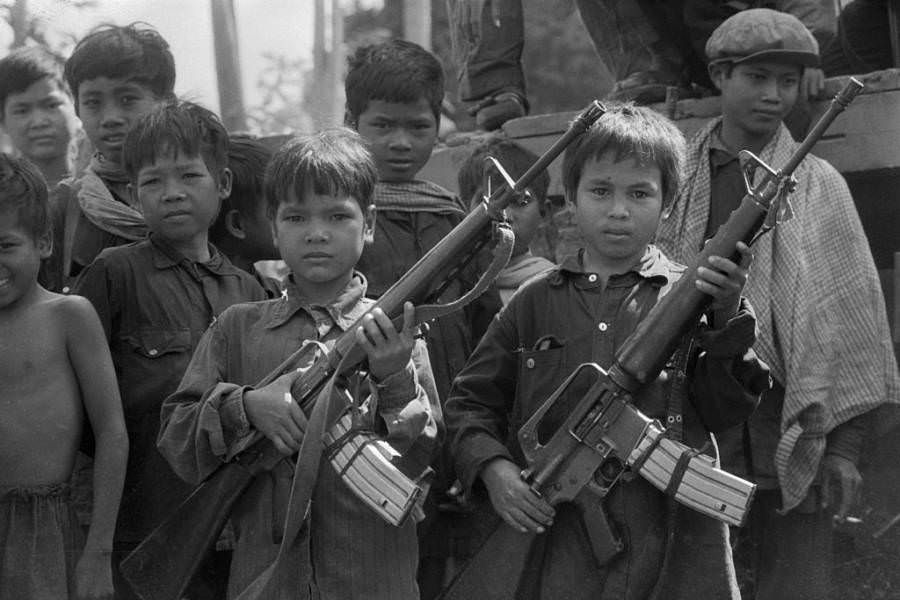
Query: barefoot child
[55, 369]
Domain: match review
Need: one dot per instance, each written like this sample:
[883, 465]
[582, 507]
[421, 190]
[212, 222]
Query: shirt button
[592, 277]
[602, 326]
[153, 352]
[529, 363]
[65, 290]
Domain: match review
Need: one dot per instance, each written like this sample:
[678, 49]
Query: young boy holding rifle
[619, 176]
[319, 190]
[822, 321]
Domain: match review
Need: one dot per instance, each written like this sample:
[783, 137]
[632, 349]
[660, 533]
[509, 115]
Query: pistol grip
[605, 544]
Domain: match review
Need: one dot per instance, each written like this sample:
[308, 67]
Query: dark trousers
[787, 557]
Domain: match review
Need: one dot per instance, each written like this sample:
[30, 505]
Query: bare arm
[93, 367]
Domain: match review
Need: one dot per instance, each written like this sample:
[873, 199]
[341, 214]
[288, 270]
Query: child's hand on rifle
[513, 499]
[272, 410]
[388, 350]
[724, 280]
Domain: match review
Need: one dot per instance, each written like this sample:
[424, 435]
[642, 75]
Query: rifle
[162, 566]
[605, 438]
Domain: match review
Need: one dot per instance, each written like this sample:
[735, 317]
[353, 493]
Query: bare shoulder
[69, 309]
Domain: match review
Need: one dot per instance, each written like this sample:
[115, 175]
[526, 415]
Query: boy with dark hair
[242, 231]
[55, 370]
[619, 176]
[116, 75]
[394, 92]
[319, 190]
[37, 111]
[822, 322]
[525, 213]
[156, 297]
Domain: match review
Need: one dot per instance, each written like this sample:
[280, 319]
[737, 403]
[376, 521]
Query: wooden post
[417, 22]
[228, 65]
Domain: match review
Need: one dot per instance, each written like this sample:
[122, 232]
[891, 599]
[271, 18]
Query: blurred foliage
[28, 28]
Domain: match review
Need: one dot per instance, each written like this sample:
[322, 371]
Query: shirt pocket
[157, 343]
[540, 373]
[151, 367]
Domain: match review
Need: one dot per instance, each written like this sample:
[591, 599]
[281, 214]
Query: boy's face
[321, 237]
[20, 259]
[524, 216]
[617, 208]
[400, 136]
[109, 108]
[40, 120]
[179, 196]
[757, 96]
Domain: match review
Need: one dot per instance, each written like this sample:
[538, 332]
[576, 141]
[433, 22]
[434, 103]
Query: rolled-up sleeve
[405, 407]
[728, 377]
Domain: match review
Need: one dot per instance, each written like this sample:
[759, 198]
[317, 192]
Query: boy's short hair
[134, 52]
[23, 67]
[247, 159]
[514, 158]
[393, 71]
[176, 126]
[629, 131]
[23, 191]
[333, 162]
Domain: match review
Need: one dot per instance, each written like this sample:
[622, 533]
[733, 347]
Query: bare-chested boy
[55, 369]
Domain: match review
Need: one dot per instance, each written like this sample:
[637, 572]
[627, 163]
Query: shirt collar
[719, 152]
[166, 256]
[345, 310]
[652, 266]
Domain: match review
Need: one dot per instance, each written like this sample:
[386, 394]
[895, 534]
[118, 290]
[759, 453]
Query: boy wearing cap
[821, 315]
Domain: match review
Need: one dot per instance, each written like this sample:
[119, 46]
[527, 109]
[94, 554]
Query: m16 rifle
[605, 435]
[162, 566]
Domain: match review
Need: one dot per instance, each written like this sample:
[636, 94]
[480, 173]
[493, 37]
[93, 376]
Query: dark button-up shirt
[154, 305]
[551, 326]
[346, 551]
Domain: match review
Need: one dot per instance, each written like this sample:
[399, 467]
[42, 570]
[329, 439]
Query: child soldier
[242, 231]
[822, 322]
[116, 75]
[319, 191]
[619, 176]
[55, 368]
[156, 297]
[394, 92]
[37, 111]
[525, 213]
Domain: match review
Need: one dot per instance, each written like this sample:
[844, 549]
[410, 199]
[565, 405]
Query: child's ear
[369, 224]
[350, 121]
[234, 224]
[132, 193]
[45, 245]
[716, 74]
[224, 183]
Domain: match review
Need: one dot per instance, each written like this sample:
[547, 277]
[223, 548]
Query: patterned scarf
[417, 196]
[92, 188]
[822, 322]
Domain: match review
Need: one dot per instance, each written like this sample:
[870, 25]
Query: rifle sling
[306, 470]
[681, 467]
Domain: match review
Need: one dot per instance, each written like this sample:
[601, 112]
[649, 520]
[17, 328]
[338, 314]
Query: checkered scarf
[822, 323]
[416, 196]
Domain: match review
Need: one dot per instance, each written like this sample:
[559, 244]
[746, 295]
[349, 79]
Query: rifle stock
[604, 428]
[162, 566]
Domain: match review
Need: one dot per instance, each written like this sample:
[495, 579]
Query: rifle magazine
[703, 486]
[365, 464]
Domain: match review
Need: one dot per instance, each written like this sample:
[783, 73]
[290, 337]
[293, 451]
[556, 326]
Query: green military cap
[762, 34]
